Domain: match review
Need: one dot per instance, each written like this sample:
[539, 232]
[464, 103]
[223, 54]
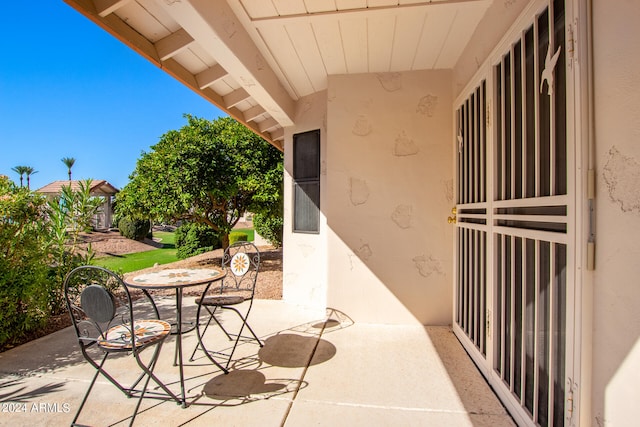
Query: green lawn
[248, 231]
[139, 260]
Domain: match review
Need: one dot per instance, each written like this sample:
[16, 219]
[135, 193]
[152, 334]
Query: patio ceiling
[255, 58]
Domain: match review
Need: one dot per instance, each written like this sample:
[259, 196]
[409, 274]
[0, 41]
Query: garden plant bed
[269, 285]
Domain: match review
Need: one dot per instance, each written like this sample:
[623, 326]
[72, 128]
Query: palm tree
[21, 170]
[28, 170]
[68, 161]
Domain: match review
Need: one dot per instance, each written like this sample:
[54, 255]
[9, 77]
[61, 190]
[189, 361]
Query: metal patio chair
[103, 314]
[241, 262]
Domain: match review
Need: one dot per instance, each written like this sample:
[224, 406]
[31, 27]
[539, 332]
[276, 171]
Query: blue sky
[69, 89]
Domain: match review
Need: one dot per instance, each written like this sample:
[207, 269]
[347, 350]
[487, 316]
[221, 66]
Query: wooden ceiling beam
[173, 44]
[107, 7]
[211, 75]
[236, 97]
[214, 25]
[267, 124]
[277, 134]
[145, 48]
[253, 113]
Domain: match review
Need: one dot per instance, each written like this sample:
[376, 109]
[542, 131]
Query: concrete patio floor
[324, 371]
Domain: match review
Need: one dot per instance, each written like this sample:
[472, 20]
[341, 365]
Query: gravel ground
[269, 284]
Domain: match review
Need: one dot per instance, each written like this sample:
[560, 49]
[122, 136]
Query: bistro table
[178, 279]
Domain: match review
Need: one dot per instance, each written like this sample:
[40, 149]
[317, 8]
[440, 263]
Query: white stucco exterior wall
[499, 17]
[389, 192]
[616, 291]
[305, 257]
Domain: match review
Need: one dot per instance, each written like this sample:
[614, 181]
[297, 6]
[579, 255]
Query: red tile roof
[98, 187]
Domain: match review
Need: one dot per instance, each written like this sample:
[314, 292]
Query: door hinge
[488, 325]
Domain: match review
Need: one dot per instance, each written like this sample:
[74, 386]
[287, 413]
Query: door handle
[453, 219]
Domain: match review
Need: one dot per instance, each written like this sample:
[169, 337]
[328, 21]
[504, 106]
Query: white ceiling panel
[315, 6]
[244, 105]
[259, 8]
[406, 43]
[190, 61]
[204, 56]
[330, 45]
[458, 36]
[289, 7]
[158, 13]
[282, 49]
[221, 87]
[381, 3]
[138, 17]
[355, 43]
[381, 32]
[231, 82]
[293, 45]
[304, 42]
[434, 35]
[351, 4]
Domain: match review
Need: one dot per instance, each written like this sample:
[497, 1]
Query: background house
[97, 188]
[521, 114]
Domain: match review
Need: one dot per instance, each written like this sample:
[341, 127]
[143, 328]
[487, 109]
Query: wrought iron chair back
[242, 263]
[92, 304]
[103, 316]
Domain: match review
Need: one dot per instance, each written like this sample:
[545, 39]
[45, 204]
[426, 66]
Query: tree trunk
[225, 241]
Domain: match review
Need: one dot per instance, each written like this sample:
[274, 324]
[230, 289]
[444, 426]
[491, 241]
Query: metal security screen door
[514, 244]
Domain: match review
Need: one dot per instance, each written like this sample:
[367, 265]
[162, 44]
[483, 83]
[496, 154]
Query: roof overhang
[255, 58]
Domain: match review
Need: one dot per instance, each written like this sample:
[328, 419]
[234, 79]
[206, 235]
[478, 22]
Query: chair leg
[126, 391]
[93, 381]
[244, 323]
[201, 335]
[135, 411]
[148, 371]
[206, 326]
[198, 330]
[221, 327]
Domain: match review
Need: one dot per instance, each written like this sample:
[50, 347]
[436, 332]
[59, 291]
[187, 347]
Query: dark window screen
[306, 178]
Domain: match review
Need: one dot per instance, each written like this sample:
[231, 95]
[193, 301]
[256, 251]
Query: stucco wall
[304, 260]
[389, 192]
[616, 311]
[495, 23]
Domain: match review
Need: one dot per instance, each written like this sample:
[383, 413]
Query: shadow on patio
[311, 371]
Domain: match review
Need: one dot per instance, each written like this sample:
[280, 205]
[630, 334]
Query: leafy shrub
[24, 262]
[237, 236]
[40, 245]
[68, 215]
[269, 227]
[135, 229]
[193, 239]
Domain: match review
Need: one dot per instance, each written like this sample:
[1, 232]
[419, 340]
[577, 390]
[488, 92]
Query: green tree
[68, 162]
[210, 172]
[28, 170]
[20, 170]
